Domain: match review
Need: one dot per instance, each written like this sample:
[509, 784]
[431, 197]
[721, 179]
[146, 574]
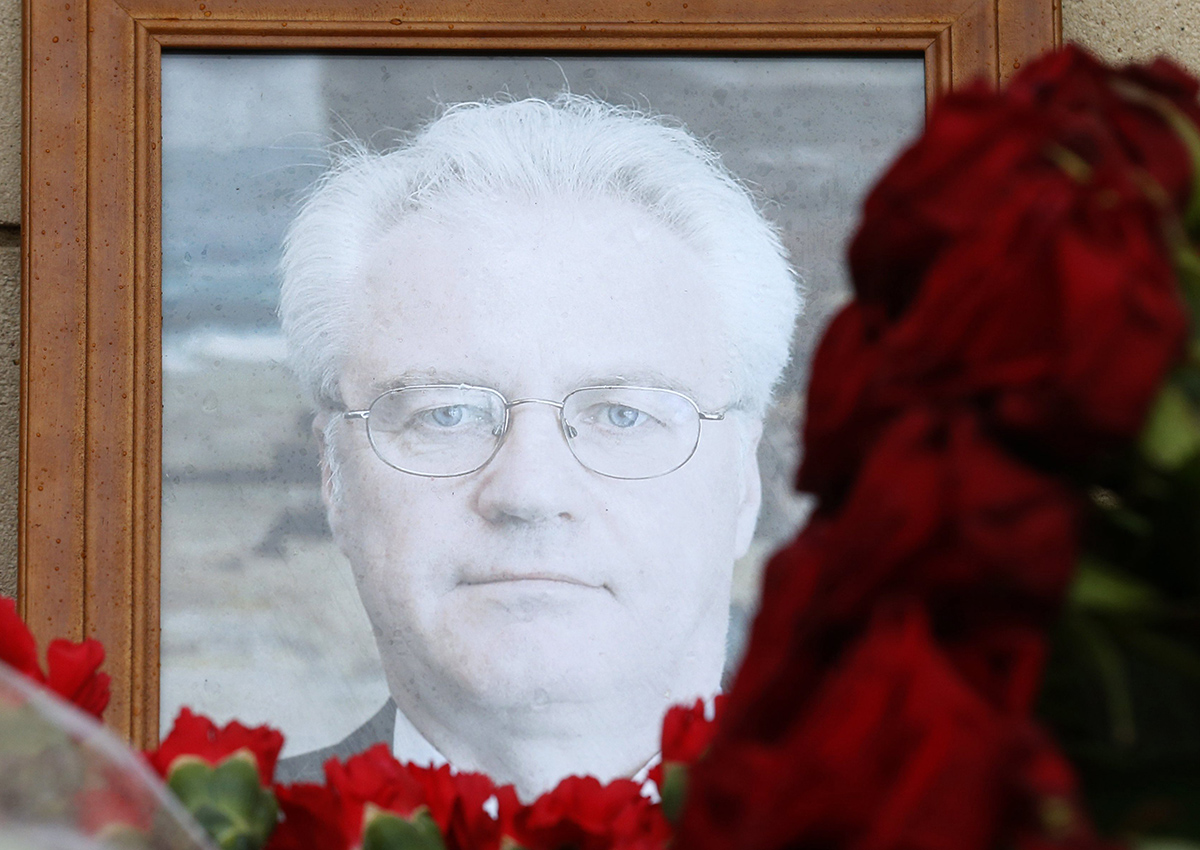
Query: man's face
[534, 579]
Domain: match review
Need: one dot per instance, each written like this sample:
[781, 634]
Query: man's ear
[751, 490]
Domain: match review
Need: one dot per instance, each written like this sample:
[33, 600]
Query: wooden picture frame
[91, 360]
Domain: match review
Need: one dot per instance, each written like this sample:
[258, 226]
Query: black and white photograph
[482, 381]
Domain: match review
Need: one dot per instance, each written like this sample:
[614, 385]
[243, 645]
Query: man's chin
[539, 660]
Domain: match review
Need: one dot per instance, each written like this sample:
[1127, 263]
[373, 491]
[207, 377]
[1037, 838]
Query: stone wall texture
[1119, 30]
[10, 288]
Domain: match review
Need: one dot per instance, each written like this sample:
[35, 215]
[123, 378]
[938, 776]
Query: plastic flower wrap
[65, 782]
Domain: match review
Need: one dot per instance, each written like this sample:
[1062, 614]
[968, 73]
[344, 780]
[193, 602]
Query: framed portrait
[175, 492]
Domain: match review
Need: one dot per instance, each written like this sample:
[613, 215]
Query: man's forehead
[560, 303]
[490, 229]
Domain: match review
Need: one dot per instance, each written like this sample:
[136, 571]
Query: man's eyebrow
[416, 377]
[617, 378]
[636, 378]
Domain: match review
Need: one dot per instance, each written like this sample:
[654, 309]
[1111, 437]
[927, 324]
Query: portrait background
[260, 619]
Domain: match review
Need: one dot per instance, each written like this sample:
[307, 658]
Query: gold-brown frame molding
[90, 464]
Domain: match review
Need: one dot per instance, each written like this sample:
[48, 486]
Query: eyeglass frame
[364, 414]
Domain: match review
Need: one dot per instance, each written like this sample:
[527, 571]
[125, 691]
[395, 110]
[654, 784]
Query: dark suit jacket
[310, 767]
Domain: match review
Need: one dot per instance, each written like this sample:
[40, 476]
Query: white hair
[533, 149]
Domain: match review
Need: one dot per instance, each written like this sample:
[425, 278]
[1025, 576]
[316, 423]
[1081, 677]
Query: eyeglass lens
[621, 432]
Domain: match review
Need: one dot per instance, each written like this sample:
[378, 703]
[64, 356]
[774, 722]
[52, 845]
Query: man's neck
[409, 745]
[536, 750]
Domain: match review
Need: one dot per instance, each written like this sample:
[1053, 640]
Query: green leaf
[1113, 510]
[1175, 655]
[1114, 679]
[388, 831]
[227, 800]
[1187, 132]
[674, 790]
[1187, 269]
[235, 781]
[1102, 587]
[1171, 435]
[188, 780]
[1164, 844]
[1071, 163]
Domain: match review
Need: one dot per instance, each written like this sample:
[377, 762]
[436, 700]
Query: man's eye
[446, 417]
[624, 417]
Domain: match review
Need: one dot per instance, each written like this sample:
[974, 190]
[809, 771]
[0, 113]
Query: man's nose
[533, 478]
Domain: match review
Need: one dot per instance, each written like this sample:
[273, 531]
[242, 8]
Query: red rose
[1086, 97]
[1016, 259]
[893, 750]
[939, 189]
[74, 667]
[844, 410]
[938, 512]
[581, 813]
[1047, 811]
[783, 655]
[1057, 324]
[979, 145]
[1061, 319]
[197, 736]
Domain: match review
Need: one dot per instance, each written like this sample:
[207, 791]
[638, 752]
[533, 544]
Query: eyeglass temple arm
[355, 414]
[712, 417]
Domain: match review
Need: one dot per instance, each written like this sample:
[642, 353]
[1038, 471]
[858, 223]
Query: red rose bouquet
[989, 632]
[1009, 405]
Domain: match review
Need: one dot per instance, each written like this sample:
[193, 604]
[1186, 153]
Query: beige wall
[1116, 29]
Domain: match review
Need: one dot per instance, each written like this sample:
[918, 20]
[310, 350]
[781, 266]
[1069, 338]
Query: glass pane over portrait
[260, 615]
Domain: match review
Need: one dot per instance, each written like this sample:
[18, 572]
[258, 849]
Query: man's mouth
[516, 578]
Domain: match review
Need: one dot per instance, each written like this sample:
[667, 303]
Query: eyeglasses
[447, 430]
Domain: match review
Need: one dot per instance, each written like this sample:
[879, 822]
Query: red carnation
[585, 815]
[74, 667]
[311, 818]
[18, 649]
[196, 736]
[459, 805]
[457, 802]
[687, 731]
[374, 776]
